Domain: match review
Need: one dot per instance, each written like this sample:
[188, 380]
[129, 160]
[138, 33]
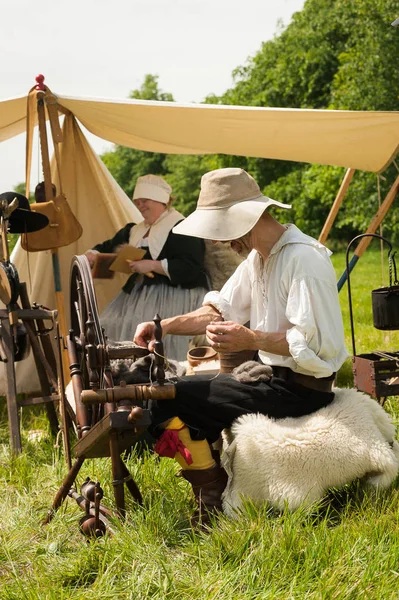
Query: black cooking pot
[385, 301]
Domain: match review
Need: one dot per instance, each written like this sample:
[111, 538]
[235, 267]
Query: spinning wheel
[109, 419]
[86, 341]
[88, 349]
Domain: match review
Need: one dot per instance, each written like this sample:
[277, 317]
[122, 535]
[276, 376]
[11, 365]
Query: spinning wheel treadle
[109, 419]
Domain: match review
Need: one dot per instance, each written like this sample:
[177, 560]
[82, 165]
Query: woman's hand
[141, 266]
[228, 336]
[145, 335]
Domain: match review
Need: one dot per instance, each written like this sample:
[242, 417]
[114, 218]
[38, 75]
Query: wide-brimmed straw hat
[229, 205]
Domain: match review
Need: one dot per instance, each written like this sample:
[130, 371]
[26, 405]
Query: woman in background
[177, 263]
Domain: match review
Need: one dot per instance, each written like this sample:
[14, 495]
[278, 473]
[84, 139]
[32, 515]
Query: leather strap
[35, 114]
[323, 384]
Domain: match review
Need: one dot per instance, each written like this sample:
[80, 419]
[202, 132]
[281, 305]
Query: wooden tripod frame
[47, 361]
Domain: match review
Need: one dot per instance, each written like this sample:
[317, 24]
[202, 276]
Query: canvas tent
[360, 140]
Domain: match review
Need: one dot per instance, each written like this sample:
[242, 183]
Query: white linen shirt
[293, 291]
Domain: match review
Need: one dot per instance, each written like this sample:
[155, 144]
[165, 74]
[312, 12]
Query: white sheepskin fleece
[294, 461]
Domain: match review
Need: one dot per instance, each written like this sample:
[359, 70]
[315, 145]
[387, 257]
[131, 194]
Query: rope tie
[169, 444]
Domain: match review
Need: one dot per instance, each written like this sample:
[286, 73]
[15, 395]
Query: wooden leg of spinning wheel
[64, 489]
[117, 474]
[131, 484]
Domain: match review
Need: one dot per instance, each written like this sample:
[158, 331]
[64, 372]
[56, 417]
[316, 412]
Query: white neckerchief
[159, 231]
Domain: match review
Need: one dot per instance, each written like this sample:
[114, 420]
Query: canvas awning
[362, 140]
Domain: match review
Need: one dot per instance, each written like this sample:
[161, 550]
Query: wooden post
[375, 223]
[59, 296]
[336, 205]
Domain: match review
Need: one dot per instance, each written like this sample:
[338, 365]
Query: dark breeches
[207, 404]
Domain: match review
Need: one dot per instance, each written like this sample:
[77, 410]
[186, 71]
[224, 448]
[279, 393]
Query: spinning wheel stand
[109, 419]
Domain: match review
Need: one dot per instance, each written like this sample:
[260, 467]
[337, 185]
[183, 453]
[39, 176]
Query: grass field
[346, 547]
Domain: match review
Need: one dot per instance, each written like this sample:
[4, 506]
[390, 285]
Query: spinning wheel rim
[87, 338]
[80, 268]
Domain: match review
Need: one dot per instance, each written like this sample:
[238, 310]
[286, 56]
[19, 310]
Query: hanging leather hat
[23, 219]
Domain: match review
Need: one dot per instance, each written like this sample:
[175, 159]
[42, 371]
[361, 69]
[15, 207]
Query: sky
[103, 48]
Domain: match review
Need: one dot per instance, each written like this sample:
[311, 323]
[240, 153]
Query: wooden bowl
[201, 354]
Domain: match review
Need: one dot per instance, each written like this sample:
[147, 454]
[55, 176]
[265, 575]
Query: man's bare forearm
[273, 342]
[193, 323]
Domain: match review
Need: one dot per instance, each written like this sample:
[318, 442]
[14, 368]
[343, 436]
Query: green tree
[333, 55]
[149, 90]
[367, 77]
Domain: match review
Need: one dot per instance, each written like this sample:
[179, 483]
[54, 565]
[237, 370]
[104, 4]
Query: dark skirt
[207, 405]
[121, 317]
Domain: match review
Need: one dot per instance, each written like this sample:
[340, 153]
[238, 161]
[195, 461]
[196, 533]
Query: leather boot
[216, 456]
[208, 486]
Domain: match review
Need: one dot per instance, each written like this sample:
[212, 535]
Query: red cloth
[169, 443]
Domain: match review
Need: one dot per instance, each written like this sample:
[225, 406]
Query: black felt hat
[23, 219]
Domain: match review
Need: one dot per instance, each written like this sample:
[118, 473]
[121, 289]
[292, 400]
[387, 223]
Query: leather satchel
[62, 230]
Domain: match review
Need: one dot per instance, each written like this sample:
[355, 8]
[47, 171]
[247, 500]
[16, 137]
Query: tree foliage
[334, 54]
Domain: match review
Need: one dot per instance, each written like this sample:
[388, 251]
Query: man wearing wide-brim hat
[286, 290]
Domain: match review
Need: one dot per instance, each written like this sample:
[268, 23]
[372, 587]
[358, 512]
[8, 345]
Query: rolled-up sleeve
[234, 299]
[314, 338]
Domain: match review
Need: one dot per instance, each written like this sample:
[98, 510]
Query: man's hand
[91, 257]
[228, 336]
[145, 335]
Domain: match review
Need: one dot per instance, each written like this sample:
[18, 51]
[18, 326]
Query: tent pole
[375, 223]
[40, 95]
[337, 203]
